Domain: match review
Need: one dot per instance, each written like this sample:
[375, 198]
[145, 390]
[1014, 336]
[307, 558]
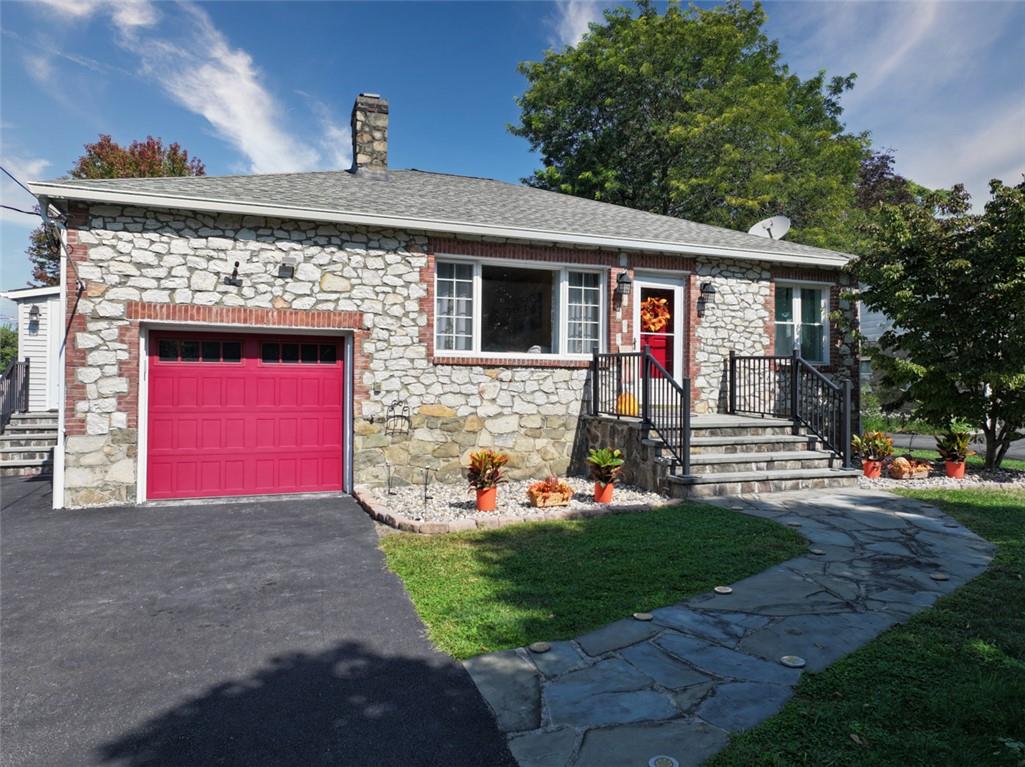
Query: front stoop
[27, 444]
[681, 684]
[738, 455]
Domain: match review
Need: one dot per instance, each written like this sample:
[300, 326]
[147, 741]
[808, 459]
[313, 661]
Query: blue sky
[267, 86]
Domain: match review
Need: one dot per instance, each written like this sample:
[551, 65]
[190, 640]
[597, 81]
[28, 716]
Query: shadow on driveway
[265, 633]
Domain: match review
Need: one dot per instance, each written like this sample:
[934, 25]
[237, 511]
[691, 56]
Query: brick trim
[244, 315]
[516, 362]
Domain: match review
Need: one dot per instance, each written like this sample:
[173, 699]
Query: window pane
[784, 339]
[453, 309]
[784, 304]
[231, 351]
[584, 326]
[328, 354]
[168, 350]
[211, 351]
[270, 352]
[289, 352]
[811, 305]
[811, 342]
[517, 308]
[190, 351]
[309, 353]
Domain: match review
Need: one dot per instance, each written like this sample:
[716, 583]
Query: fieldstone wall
[131, 257]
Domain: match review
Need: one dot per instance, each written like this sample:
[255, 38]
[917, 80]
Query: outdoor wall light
[33, 313]
[706, 297]
[286, 269]
[624, 284]
[234, 279]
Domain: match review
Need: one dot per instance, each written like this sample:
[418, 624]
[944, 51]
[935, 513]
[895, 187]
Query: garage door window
[292, 354]
[187, 350]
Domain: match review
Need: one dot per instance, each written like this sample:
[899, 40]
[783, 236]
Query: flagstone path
[679, 685]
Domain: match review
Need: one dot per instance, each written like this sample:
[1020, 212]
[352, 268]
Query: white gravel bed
[453, 501]
[974, 478]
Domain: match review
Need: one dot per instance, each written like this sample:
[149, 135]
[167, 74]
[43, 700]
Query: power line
[19, 210]
[15, 180]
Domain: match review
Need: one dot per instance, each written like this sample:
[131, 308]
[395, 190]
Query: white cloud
[40, 68]
[336, 138]
[195, 64]
[572, 18]
[25, 169]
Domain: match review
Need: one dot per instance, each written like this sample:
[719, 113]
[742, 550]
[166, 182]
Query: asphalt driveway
[233, 634]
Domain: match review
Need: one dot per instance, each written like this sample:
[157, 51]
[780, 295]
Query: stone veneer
[147, 265]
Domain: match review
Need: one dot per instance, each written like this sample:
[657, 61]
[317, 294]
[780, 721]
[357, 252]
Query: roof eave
[65, 192]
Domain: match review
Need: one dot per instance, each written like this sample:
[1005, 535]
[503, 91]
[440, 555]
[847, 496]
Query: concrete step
[46, 417]
[22, 468]
[25, 453]
[30, 428]
[756, 443]
[746, 482]
[21, 440]
[734, 463]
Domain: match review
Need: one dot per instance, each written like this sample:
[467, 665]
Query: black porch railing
[13, 391]
[790, 387]
[635, 384]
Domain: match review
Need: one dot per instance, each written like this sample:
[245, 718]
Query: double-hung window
[802, 319]
[494, 308]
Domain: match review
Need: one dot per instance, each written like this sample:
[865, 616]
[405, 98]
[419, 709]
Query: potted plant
[606, 466]
[551, 491]
[952, 445]
[872, 447]
[485, 473]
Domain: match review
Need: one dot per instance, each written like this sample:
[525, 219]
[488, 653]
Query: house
[39, 337]
[306, 332]
[29, 390]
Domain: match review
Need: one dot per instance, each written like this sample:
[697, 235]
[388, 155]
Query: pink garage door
[243, 415]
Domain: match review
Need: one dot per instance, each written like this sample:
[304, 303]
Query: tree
[142, 159]
[691, 113]
[108, 159]
[953, 283]
[8, 346]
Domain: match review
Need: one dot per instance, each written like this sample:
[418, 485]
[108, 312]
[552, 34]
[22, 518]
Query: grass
[892, 424]
[946, 688]
[490, 590]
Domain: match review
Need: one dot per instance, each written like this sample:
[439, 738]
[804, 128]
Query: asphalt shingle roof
[416, 194]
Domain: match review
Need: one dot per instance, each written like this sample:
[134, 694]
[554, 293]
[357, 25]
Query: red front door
[657, 324]
[243, 415]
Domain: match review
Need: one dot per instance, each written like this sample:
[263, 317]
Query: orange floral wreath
[654, 314]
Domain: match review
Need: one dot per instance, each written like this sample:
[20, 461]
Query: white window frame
[795, 310]
[561, 310]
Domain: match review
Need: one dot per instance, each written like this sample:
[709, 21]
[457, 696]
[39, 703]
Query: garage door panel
[265, 423]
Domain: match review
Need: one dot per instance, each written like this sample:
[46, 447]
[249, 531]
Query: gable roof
[441, 203]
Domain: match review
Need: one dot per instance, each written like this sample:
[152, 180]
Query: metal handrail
[791, 387]
[13, 390]
[614, 381]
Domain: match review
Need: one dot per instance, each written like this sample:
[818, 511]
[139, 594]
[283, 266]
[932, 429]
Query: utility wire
[15, 180]
[19, 210]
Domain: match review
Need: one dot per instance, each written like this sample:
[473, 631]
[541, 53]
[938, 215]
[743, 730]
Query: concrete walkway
[680, 684]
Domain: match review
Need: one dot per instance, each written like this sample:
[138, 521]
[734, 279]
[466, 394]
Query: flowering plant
[655, 314]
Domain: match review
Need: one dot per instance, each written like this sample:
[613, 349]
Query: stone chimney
[369, 134]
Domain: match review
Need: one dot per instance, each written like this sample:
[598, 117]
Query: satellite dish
[774, 228]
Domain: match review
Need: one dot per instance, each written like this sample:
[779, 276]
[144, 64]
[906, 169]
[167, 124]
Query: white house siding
[37, 343]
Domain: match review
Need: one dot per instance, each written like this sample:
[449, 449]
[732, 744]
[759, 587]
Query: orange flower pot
[603, 493]
[487, 499]
[954, 469]
[872, 469]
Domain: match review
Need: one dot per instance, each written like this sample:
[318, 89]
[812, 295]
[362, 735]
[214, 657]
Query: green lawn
[489, 590]
[947, 688]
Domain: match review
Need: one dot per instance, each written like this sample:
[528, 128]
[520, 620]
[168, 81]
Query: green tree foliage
[691, 113]
[953, 283]
[108, 159]
[8, 346]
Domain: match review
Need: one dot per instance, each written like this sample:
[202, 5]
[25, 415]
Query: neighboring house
[39, 339]
[311, 331]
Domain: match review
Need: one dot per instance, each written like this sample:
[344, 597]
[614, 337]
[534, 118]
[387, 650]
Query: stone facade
[150, 265]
